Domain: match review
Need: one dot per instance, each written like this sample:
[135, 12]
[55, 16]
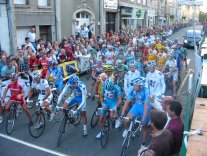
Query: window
[20, 2]
[42, 2]
[82, 15]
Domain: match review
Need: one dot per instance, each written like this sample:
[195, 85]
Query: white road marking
[32, 145]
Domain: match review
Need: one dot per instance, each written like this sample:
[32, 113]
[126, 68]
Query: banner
[110, 4]
[84, 63]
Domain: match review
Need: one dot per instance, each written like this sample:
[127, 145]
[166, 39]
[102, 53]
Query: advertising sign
[110, 4]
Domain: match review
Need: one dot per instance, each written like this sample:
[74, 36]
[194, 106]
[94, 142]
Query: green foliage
[202, 16]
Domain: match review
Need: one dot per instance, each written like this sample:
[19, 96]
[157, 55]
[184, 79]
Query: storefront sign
[110, 4]
[151, 13]
[126, 11]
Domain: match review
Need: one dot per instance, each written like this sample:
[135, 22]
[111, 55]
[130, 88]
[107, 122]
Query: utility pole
[158, 11]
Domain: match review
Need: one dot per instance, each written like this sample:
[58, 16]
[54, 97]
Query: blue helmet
[151, 64]
[73, 79]
[139, 81]
[36, 75]
[108, 84]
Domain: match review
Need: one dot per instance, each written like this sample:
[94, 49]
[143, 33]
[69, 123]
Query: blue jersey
[139, 66]
[139, 97]
[111, 96]
[79, 92]
[56, 72]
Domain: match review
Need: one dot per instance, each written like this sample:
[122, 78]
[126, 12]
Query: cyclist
[97, 70]
[171, 66]
[45, 94]
[161, 59]
[129, 76]
[110, 98]
[100, 82]
[139, 95]
[56, 75]
[109, 56]
[17, 94]
[156, 84]
[108, 69]
[184, 54]
[78, 92]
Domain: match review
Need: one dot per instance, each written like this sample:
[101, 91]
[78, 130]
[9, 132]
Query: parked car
[188, 41]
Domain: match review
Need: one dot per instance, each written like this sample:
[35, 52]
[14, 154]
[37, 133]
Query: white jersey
[156, 83]
[172, 63]
[128, 77]
[109, 57]
[41, 87]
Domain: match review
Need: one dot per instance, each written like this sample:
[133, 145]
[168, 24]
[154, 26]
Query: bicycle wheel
[105, 133]
[61, 130]
[125, 144]
[34, 99]
[94, 119]
[10, 122]
[37, 124]
[58, 115]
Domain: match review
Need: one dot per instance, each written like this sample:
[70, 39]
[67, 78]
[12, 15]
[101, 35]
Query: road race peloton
[131, 70]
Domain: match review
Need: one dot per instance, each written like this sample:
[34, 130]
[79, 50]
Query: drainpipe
[12, 27]
[55, 20]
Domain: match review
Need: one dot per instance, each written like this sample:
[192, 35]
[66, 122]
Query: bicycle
[95, 117]
[135, 126]
[58, 113]
[68, 118]
[11, 117]
[37, 122]
[34, 99]
[106, 126]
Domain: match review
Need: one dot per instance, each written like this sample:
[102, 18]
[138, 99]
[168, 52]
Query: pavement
[20, 143]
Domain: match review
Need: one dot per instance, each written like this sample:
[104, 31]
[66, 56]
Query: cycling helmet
[151, 64]
[108, 84]
[108, 68]
[36, 75]
[73, 79]
[103, 77]
[132, 64]
[139, 81]
[13, 76]
[118, 62]
[52, 63]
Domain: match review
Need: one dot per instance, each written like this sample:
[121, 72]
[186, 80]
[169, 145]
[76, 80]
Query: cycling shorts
[48, 100]
[59, 85]
[175, 76]
[138, 109]
[109, 106]
[72, 101]
[22, 101]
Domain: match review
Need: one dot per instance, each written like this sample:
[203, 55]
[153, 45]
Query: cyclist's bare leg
[84, 117]
[100, 122]
[174, 87]
[144, 134]
[46, 104]
[127, 122]
[8, 105]
[25, 109]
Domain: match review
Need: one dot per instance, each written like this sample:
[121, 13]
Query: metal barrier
[194, 79]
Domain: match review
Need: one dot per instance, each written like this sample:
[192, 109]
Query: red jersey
[15, 89]
[33, 63]
[44, 63]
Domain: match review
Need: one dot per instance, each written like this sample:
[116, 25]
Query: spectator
[32, 37]
[24, 66]
[56, 48]
[68, 50]
[39, 43]
[77, 52]
[49, 56]
[162, 139]
[20, 55]
[62, 57]
[33, 62]
[90, 28]
[48, 47]
[2, 61]
[7, 70]
[77, 30]
[53, 56]
[44, 65]
[175, 125]
[28, 43]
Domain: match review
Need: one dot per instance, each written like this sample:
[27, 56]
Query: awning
[131, 18]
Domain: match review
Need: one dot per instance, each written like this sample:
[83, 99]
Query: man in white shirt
[77, 29]
[32, 37]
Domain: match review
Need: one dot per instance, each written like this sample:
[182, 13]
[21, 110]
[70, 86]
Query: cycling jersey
[139, 67]
[128, 77]
[122, 68]
[77, 95]
[156, 83]
[111, 96]
[109, 57]
[56, 72]
[172, 63]
[130, 57]
[15, 89]
[152, 55]
[41, 88]
[138, 99]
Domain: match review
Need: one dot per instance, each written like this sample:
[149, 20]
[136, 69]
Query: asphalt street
[73, 142]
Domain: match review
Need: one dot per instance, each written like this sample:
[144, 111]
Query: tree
[202, 16]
